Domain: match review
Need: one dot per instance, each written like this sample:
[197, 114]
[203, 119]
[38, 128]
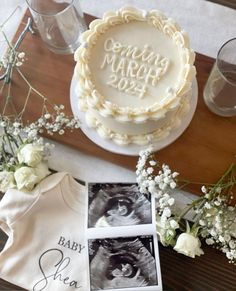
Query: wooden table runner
[202, 153]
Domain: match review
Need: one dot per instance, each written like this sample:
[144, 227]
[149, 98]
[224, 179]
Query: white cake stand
[131, 149]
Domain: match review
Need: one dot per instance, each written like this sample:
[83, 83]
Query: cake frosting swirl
[135, 72]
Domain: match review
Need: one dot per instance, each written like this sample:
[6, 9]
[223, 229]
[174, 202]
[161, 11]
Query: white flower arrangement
[213, 218]
[22, 157]
[23, 153]
[23, 167]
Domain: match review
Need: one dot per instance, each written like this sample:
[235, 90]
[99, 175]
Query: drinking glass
[220, 90]
[60, 23]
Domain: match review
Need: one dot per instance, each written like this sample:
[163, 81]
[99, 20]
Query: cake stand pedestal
[131, 149]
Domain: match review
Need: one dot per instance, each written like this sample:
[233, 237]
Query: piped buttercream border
[89, 97]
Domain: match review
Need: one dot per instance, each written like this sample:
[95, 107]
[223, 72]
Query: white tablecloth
[208, 25]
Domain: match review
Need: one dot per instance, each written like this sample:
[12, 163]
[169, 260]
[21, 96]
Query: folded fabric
[46, 247]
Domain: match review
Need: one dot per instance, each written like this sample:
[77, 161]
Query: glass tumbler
[220, 90]
[60, 23]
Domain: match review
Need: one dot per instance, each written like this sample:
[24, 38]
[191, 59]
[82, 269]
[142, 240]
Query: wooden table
[202, 153]
[229, 3]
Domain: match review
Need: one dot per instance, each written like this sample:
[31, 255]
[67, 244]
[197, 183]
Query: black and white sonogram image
[122, 263]
[118, 204]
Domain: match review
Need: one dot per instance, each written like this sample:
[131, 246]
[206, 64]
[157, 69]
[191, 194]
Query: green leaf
[194, 230]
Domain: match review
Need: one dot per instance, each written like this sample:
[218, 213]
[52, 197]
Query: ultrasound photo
[118, 204]
[122, 263]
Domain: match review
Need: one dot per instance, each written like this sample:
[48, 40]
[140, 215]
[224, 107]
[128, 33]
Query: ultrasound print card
[122, 242]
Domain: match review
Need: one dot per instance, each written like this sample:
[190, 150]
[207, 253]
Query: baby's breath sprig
[52, 119]
[23, 152]
[210, 217]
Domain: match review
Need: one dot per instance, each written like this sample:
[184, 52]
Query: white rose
[7, 181]
[26, 178]
[30, 154]
[188, 245]
[41, 171]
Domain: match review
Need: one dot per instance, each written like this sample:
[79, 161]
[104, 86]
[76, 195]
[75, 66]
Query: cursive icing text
[60, 263]
[133, 69]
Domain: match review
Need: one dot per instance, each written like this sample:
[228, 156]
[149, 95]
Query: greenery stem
[30, 86]
[10, 16]
[186, 182]
[8, 98]
[6, 135]
[219, 182]
[20, 139]
[4, 155]
[189, 207]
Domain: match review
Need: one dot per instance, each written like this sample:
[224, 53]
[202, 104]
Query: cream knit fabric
[46, 248]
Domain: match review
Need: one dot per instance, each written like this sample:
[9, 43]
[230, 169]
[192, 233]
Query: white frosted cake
[135, 72]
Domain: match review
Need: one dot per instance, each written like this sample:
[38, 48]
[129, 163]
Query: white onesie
[46, 245]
